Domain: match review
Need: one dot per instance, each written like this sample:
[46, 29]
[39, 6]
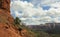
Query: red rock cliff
[5, 4]
[5, 10]
[6, 20]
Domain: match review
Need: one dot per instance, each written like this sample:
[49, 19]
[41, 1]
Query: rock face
[6, 20]
[5, 4]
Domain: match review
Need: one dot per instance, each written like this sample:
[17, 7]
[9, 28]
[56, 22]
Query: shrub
[17, 21]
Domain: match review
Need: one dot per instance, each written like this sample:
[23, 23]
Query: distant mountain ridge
[48, 27]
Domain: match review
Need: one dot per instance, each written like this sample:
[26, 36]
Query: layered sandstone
[6, 20]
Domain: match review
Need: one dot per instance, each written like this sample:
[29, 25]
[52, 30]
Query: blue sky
[35, 12]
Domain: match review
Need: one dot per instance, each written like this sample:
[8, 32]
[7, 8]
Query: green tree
[17, 21]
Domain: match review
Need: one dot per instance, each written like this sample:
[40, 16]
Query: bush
[17, 21]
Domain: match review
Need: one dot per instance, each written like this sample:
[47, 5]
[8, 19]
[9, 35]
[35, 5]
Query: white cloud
[30, 14]
[57, 5]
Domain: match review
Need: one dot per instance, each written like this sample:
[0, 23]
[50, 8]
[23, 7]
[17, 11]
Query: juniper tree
[17, 20]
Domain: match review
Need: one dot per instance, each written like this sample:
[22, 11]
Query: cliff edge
[6, 20]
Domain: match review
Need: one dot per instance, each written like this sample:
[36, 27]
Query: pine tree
[17, 20]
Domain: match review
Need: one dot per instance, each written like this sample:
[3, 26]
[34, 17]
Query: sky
[36, 12]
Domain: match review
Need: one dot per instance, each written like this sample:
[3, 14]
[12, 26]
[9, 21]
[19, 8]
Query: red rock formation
[6, 20]
[5, 4]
